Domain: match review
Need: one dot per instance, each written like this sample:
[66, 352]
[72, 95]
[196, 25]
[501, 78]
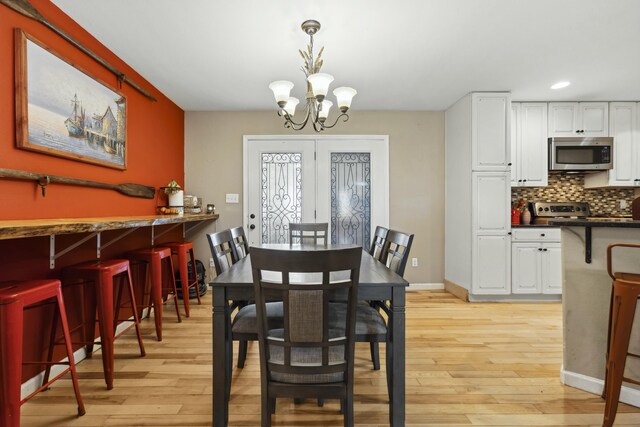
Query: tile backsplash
[570, 188]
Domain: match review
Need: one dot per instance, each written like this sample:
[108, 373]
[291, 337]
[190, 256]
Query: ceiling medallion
[317, 108]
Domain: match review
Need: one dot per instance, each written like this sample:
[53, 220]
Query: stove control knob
[578, 209]
[546, 209]
[540, 209]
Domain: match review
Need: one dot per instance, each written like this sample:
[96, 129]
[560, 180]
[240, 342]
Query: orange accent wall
[155, 133]
[155, 156]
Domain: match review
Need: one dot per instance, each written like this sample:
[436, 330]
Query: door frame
[382, 139]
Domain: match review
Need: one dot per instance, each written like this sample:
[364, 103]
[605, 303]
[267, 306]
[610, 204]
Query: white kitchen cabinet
[491, 265]
[578, 119]
[491, 224]
[623, 127]
[491, 201]
[478, 194]
[536, 261]
[551, 263]
[531, 161]
[525, 268]
[515, 141]
[490, 133]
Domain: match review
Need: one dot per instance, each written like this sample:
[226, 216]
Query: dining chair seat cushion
[246, 320]
[306, 356]
[368, 320]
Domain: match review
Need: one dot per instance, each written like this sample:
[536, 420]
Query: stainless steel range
[546, 211]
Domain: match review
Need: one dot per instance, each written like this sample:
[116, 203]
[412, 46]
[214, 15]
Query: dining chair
[378, 241]
[244, 323]
[371, 326]
[306, 357]
[308, 232]
[240, 242]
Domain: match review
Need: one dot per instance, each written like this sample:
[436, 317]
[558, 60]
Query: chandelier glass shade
[317, 106]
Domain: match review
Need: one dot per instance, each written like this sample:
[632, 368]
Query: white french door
[341, 180]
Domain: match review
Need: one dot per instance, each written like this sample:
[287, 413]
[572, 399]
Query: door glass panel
[351, 198]
[281, 194]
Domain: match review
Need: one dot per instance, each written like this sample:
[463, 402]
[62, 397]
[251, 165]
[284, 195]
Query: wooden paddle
[133, 190]
[25, 8]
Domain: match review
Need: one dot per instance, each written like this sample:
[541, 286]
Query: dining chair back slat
[307, 232]
[240, 243]
[378, 241]
[396, 251]
[306, 357]
[222, 250]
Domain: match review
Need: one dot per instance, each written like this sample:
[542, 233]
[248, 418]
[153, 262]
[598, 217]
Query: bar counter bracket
[587, 245]
[52, 247]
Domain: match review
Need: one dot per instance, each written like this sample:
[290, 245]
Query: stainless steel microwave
[580, 154]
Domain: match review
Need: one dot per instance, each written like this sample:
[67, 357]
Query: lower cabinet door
[525, 268]
[491, 265]
[551, 268]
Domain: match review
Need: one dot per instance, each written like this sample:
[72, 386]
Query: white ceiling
[399, 55]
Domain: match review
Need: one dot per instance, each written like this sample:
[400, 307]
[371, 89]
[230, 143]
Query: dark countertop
[533, 226]
[605, 222]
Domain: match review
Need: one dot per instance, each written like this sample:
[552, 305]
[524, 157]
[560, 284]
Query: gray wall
[213, 167]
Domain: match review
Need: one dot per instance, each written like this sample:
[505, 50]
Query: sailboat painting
[62, 111]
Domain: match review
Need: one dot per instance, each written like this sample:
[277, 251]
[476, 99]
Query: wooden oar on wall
[133, 190]
[25, 8]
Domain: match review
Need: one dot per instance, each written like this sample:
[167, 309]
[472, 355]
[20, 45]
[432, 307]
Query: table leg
[220, 354]
[396, 351]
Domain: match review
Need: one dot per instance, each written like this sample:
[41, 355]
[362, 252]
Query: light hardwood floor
[467, 365]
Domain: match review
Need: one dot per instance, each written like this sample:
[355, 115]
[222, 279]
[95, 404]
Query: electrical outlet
[623, 204]
[232, 198]
[211, 264]
[414, 262]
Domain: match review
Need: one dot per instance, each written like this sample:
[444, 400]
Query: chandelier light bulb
[320, 84]
[324, 110]
[281, 90]
[291, 105]
[344, 96]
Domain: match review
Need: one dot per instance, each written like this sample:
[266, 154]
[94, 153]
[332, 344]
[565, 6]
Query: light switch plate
[232, 198]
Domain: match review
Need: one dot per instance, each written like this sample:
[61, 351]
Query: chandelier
[317, 108]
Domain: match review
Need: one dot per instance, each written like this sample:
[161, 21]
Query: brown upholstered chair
[308, 232]
[306, 357]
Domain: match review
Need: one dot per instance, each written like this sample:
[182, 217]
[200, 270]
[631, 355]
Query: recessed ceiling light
[560, 85]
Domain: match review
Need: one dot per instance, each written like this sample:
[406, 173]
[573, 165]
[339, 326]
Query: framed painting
[64, 112]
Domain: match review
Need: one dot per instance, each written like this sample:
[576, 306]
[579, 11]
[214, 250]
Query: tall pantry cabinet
[478, 194]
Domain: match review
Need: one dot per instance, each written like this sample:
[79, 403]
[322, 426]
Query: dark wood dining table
[377, 282]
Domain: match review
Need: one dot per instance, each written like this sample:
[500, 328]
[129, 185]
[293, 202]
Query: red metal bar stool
[153, 258]
[15, 297]
[102, 274]
[624, 299]
[184, 251]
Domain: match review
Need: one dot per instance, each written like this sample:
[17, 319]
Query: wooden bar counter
[16, 228]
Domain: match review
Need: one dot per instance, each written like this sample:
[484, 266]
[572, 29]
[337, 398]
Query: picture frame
[63, 111]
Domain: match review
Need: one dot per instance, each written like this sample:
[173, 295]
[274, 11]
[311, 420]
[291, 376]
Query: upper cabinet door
[490, 131]
[563, 119]
[533, 152]
[622, 127]
[515, 143]
[593, 119]
[578, 119]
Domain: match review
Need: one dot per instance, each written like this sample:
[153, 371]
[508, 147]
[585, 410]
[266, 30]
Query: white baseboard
[425, 286]
[32, 384]
[628, 395]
